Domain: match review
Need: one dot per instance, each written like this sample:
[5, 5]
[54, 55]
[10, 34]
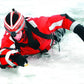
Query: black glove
[19, 59]
[3, 66]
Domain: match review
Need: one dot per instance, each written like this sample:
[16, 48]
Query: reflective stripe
[12, 46]
[59, 23]
[11, 15]
[33, 23]
[20, 27]
[8, 55]
[2, 50]
[11, 39]
[73, 25]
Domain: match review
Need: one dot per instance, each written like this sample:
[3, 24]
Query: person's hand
[12, 59]
[19, 59]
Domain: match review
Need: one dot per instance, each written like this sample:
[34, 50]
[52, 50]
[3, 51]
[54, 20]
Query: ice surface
[64, 67]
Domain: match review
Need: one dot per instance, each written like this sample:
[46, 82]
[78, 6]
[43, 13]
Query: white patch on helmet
[11, 16]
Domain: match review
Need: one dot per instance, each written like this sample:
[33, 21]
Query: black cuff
[79, 29]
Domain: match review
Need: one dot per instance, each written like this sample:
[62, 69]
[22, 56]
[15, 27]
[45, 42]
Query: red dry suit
[45, 25]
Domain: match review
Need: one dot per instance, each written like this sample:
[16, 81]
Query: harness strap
[1, 56]
[34, 43]
[37, 32]
[31, 41]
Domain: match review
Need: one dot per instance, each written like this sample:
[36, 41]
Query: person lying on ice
[29, 36]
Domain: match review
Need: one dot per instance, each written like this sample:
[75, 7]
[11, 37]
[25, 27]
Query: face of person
[18, 36]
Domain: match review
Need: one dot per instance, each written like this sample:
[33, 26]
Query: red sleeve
[60, 21]
[50, 24]
[67, 21]
[5, 42]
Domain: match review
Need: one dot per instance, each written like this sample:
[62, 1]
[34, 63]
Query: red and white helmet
[14, 22]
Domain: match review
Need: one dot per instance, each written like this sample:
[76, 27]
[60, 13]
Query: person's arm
[9, 55]
[75, 26]
[65, 21]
